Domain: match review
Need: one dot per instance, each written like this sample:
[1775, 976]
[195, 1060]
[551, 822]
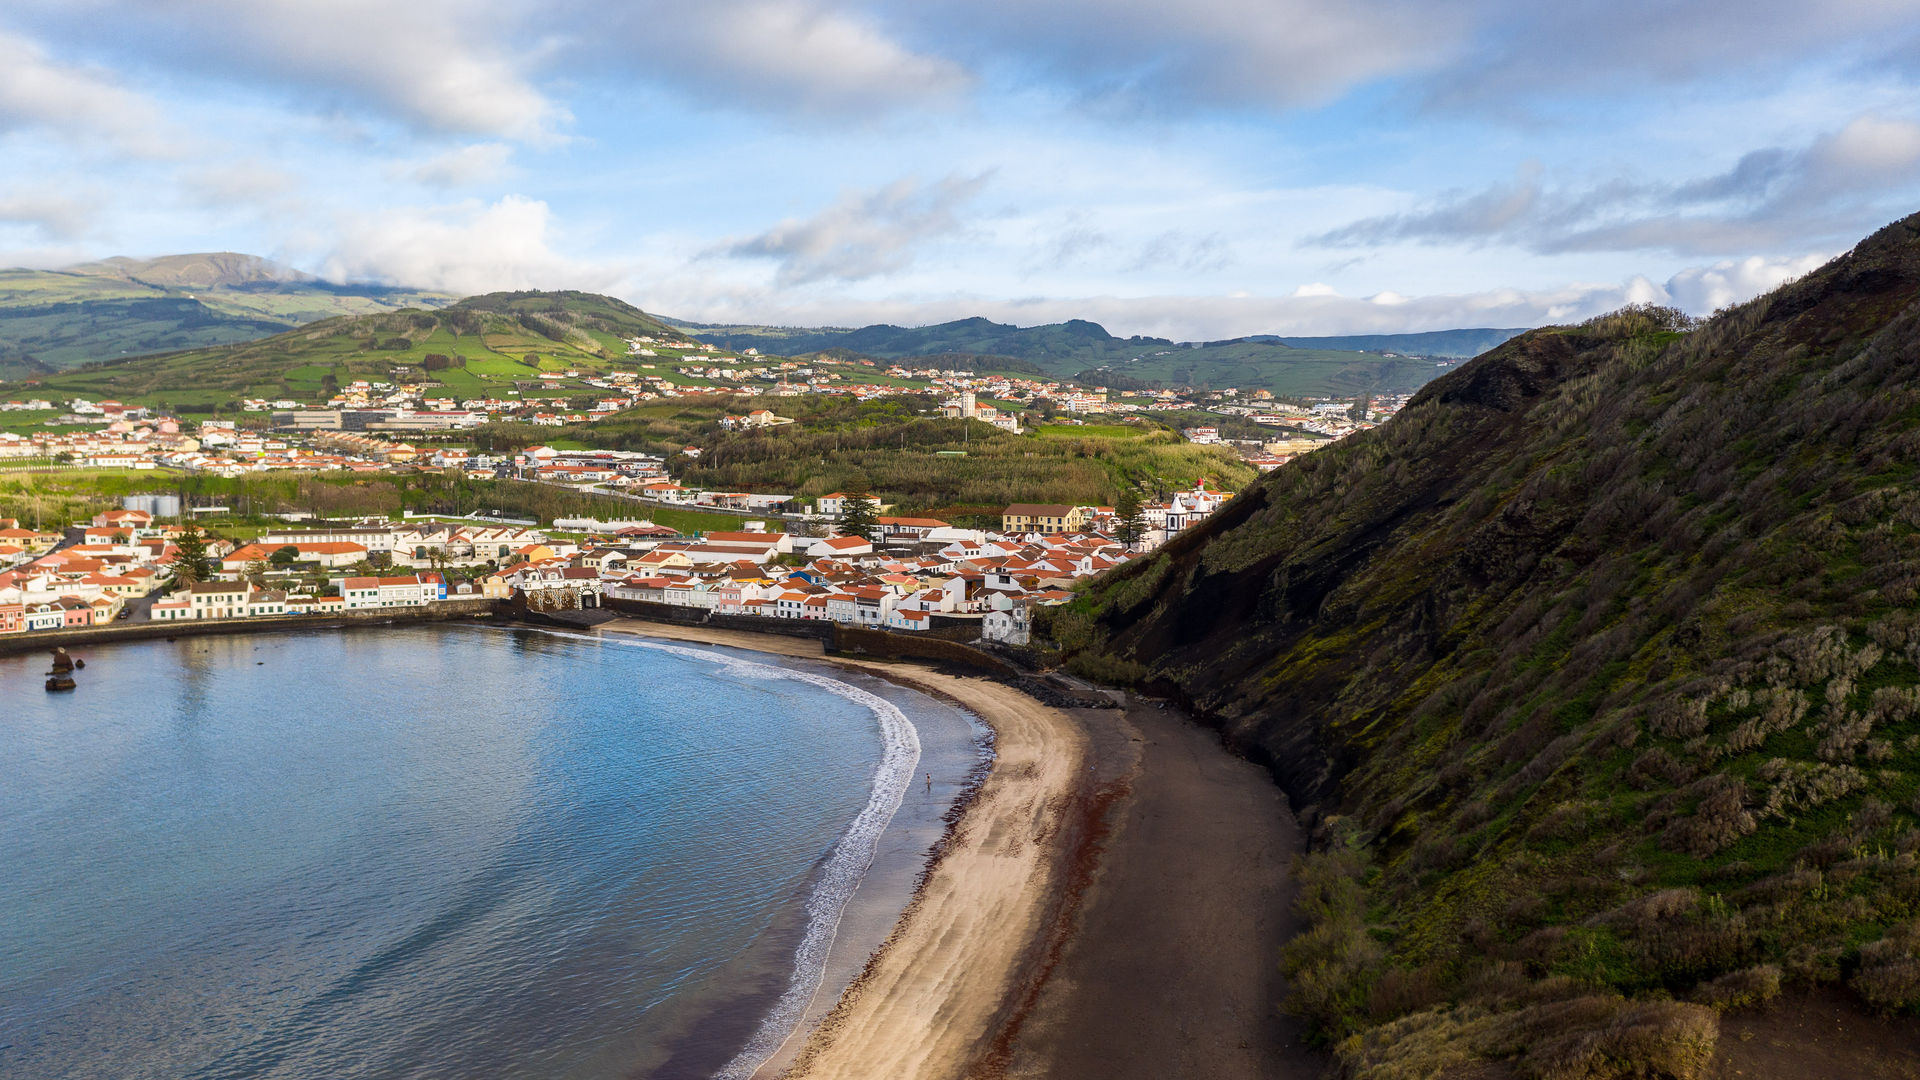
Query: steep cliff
[1595, 669]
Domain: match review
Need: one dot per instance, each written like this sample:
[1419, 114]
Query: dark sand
[1170, 966]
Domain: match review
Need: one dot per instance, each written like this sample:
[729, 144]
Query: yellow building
[1042, 518]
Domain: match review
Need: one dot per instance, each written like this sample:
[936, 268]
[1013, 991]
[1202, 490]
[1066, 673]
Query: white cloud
[246, 182]
[53, 215]
[865, 234]
[467, 248]
[68, 100]
[1869, 148]
[1702, 289]
[1265, 53]
[1310, 310]
[444, 65]
[1838, 184]
[785, 55]
[447, 64]
[475, 163]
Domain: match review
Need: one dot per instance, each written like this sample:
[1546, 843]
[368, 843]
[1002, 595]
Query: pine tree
[859, 517]
[191, 563]
[1130, 520]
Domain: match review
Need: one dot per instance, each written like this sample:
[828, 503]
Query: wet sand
[1110, 905]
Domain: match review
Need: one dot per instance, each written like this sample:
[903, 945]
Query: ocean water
[438, 852]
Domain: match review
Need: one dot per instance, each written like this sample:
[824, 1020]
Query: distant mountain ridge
[477, 346]
[1327, 367]
[56, 319]
[1456, 344]
[207, 270]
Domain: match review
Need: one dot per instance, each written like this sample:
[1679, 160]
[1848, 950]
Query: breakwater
[441, 611]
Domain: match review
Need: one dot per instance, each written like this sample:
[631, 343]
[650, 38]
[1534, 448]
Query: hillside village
[263, 434]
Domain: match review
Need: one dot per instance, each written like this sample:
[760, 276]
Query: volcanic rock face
[1615, 610]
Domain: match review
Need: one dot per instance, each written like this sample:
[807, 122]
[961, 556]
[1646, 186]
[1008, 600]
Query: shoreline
[952, 747]
[969, 948]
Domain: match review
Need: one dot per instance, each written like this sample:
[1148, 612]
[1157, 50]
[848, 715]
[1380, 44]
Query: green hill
[478, 345]
[1595, 674]
[56, 319]
[1064, 350]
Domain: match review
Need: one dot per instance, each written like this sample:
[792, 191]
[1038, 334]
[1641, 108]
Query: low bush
[1742, 989]
[1889, 975]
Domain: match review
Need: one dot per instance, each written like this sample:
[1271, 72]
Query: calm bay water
[425, 852]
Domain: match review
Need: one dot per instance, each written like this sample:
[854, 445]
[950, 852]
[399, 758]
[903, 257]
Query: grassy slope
[1598, 673]
[55, 319]
[493, 333]
[1065, 349]
[841, 445]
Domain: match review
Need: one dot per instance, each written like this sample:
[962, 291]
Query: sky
[1198, 170]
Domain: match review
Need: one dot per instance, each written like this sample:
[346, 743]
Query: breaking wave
[845, 866]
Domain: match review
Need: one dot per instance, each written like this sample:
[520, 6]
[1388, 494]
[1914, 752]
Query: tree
[256, 573]
[191, 563]
[1130, 520]
[284, 557]
[859, 517]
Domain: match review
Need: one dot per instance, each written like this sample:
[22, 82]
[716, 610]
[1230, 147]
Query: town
[873, 569]
[776, 554]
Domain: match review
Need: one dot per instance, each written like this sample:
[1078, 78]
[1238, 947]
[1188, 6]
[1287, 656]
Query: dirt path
[1173, 968]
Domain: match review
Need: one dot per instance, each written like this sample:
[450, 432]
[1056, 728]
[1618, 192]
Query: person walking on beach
[929, 783]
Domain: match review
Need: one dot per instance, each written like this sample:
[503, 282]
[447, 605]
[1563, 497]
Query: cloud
[1836, 185]
[475, 163]
[1310, 310]
[1274, 54]
[243, 182]
[441, 65]
[1522, 51]
[73, 101]
[865, 234]
[1073, 243]
[54, 216]
[1174, 250]
[465, 248]
[781, 55]
[1702, 289]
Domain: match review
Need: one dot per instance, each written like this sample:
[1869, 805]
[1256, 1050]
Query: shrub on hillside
[1579, 1037]
[1889, 975]
[1742, 989]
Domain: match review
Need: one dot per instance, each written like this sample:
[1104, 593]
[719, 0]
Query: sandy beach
[1073, 926]
[967, 941]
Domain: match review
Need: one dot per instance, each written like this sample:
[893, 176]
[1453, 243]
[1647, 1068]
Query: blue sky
[1198, 170]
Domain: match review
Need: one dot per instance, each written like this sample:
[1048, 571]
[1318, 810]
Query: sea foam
[845, 866]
